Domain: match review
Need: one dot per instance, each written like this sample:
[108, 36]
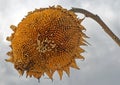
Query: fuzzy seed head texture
[45, 41]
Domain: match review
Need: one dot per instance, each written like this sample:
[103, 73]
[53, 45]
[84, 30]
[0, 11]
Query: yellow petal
[67, 70]
[9, 38]
[50, 74]
[10, 59]
[80, 50]
[20, 72]
[35, 74]
[74, 65]
[78, 56]
[13, 27]
[60, 72]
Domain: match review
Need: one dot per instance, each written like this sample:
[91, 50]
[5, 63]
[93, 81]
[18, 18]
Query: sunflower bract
[45, 41]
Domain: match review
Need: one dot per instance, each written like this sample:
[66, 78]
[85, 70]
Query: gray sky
[102, 58]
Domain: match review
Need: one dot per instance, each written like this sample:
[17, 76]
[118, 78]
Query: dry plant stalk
[99, 21]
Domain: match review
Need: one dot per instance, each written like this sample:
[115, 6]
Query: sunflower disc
[45, 41]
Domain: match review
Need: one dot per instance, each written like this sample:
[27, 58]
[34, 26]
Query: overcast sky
[102, 58]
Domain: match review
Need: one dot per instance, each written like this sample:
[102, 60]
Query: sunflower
[45, 41]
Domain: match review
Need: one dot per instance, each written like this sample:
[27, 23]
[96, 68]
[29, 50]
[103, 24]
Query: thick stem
[99, 21]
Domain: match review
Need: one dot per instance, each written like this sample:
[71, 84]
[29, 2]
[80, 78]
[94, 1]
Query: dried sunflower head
[45, 41]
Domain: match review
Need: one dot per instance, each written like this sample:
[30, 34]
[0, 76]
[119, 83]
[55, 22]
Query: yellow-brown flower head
[47, 40]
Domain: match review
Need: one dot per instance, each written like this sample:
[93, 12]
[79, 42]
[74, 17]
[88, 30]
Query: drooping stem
[99, 21]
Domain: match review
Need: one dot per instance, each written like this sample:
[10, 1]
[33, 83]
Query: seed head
[45, 41]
